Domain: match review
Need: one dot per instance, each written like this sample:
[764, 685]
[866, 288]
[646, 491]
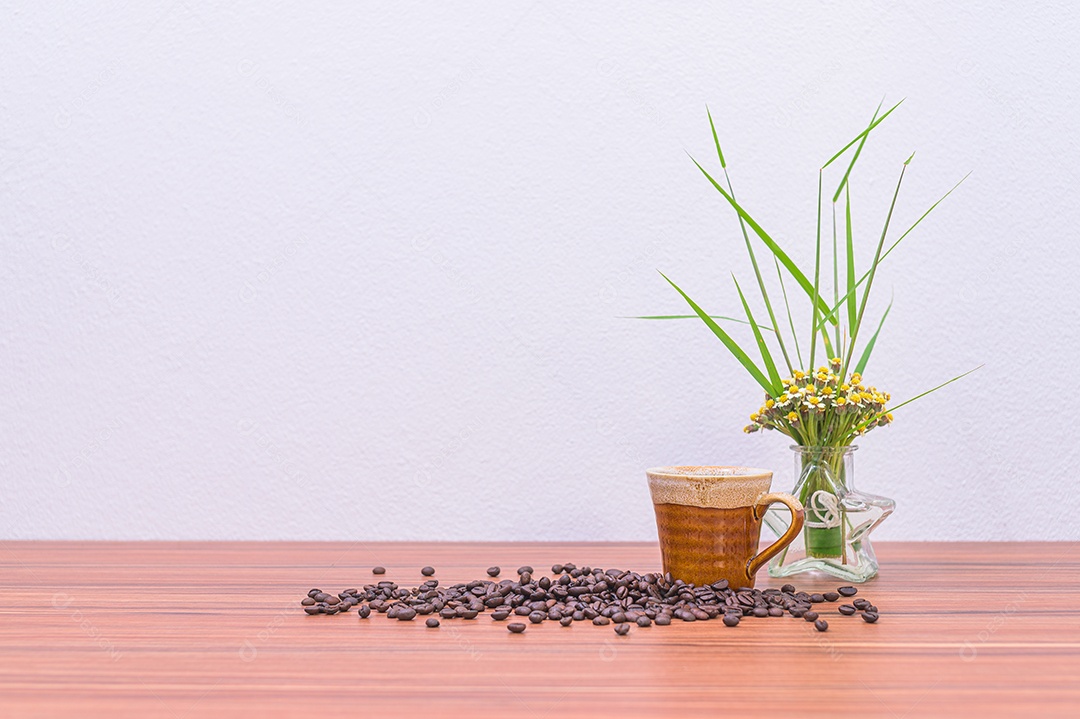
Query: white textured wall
[284, 272]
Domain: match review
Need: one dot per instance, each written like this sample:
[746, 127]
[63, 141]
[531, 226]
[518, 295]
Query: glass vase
[839, 518]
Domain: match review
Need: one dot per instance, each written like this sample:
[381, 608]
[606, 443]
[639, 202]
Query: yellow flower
[754, 417]
[769, 404]
[856, 378]
[827, 391]
[836, 362]
[845, 387]
[793, 417]
[840, 401]
[799, 374]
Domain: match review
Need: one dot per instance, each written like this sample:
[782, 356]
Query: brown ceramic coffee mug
[709, 522]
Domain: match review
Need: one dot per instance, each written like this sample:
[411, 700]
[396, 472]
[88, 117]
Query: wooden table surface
[178, 630]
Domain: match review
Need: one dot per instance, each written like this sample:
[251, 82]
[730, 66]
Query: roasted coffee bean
[610, 596]
[525, 570]
[493, 571]
[821, 625]
[515, 628]
[847, 591]
[427, 571]
[378, 570]
[622, 629]
[432, 622]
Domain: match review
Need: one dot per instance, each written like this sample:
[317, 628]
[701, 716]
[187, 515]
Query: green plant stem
[787, 306]
[873, 271]
[835, 274]
[817, 280]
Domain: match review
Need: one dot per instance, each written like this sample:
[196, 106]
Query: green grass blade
[787, 306]
[719, 152]
[923, 216]
[731, 345]
[694, 317]
[766, 356]
[855, 157]
[750, 251]
[851, 293]
[866, 424]
[935, 389]
[850, 262]
[860, 366]
[786, 261]
[861, 135]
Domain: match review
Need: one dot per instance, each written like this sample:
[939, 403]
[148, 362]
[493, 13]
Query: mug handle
[797, 518]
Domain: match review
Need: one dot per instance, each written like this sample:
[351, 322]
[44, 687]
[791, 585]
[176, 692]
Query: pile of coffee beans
[584, 594]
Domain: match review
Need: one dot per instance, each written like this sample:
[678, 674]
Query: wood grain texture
[177, 630]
